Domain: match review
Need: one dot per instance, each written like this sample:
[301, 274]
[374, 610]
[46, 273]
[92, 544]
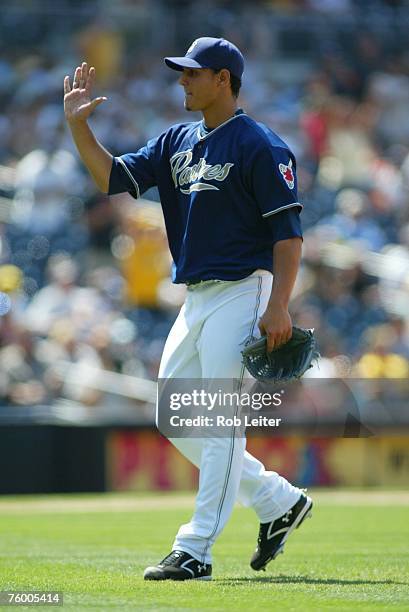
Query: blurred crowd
[84, 279]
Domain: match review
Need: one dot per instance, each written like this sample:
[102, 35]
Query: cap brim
[179, 63]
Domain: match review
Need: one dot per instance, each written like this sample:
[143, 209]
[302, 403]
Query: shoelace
[173, 556]
[285, 519]
[261, 533]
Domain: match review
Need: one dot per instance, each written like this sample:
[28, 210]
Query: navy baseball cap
[207, 52]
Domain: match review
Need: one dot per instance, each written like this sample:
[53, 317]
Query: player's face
[201, 88]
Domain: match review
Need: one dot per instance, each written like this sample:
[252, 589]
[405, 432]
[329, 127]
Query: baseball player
[228, 190]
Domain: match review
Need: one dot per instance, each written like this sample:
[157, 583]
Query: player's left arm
[274, 185]
[276, 321]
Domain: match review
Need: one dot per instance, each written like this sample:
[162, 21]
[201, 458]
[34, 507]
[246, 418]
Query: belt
[203, 282]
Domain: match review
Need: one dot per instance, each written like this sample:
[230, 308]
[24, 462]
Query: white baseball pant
[205, 342]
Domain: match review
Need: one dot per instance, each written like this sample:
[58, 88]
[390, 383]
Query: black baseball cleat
[272, 536]
[179, 565]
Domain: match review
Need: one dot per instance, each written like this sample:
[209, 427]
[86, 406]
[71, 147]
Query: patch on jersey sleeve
[287, 172]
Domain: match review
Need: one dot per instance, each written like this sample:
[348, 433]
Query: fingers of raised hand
[90, 79]
[80, 76]
[84, 74]
[77, 78]
[67, 86]
[83, 79]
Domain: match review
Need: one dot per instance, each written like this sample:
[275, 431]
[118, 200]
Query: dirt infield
[117, 502]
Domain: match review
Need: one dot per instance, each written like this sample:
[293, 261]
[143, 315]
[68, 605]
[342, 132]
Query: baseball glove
[289, 361]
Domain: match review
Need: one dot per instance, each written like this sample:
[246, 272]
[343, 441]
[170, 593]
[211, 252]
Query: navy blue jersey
[227, 195]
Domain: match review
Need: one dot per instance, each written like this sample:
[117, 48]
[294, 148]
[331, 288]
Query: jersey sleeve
[285, 224]
[134, 172]
[273, 181]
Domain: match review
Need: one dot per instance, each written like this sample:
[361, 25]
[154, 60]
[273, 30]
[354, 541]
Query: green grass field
[352, 555]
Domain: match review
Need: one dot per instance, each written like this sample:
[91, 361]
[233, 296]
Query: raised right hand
[78, 104]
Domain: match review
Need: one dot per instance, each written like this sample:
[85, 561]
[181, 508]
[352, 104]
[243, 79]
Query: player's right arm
[78, 106]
